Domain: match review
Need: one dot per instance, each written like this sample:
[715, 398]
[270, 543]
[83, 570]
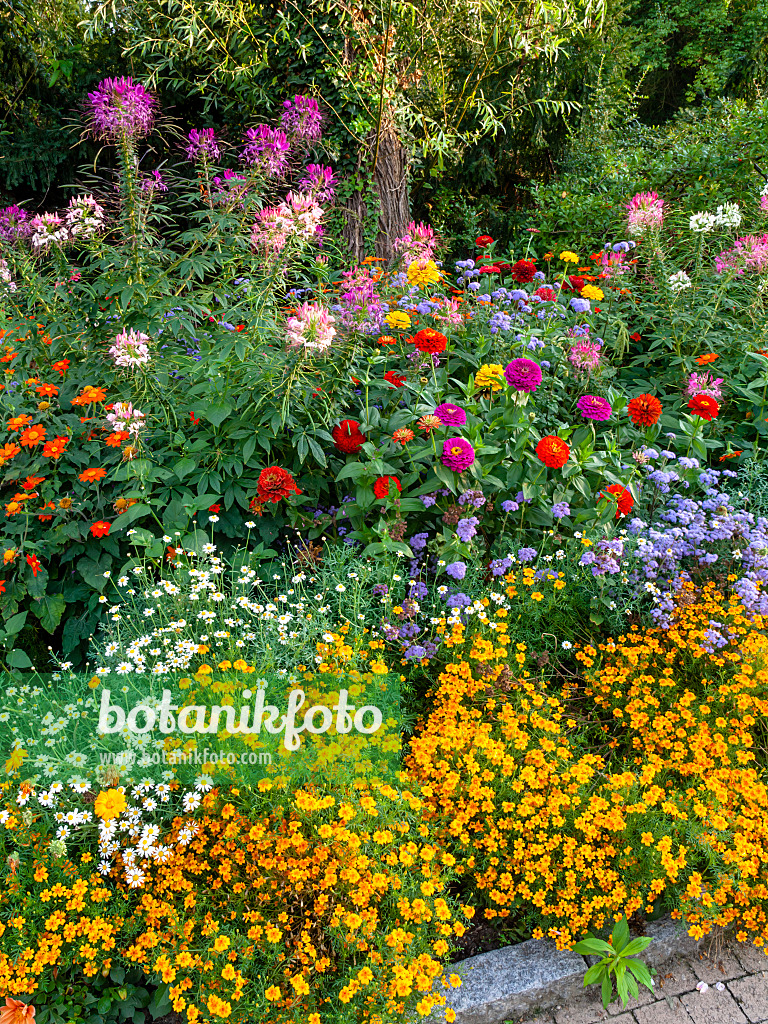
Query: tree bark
[390, 178]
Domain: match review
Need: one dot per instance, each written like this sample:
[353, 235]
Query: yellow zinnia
[423, 273]
[398, 319]
[590, 291]
[109, 803]
[569, 257]
[490, 375]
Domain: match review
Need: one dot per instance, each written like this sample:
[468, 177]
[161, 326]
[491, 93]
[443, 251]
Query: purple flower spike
[320, 181]
[302, 119]
[202, 145]
[523, 375]
[592, 407]
[451, 415]
[121, 108]
[266, 149]
[458, 454]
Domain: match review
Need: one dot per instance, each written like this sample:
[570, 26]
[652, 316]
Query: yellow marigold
[423, 273]
[490, 375]
[568, 257]
[109, 803]
[591, 291]
[397, 318]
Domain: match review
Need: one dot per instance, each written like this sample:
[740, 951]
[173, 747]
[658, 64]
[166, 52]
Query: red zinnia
[644, 410]
[215, 509]
[577, 283]
[430, 340]
[397, 379]
[483, 241]
[100, 528]
[523, 271]
[700, 405]
[545, 293]
[275, 483]
[348, 437]
[624, 500]
[553, 451]
[381, 487]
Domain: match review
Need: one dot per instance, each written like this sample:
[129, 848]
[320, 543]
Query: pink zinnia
[451, 415]
[592, 407]
[458, 454]
[646, 210]
[523, 375]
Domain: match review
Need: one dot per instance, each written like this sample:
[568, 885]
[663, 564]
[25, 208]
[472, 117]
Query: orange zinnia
[116, 439]
[17, 422]
[89, 476]
[31, 482]
[644, 410]
[32, 436]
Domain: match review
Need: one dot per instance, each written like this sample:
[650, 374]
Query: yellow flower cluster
[612, 797]
[423, 273]
[490, 376]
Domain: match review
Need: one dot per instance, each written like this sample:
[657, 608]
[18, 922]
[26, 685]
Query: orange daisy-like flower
[54, 448]
[18, 422]
[403, 435]
[731, 455]
[47, 390]
[8, 452]
[90, 476]
[705, 360]
[116, 439]
[387, 339]
[644, 410]
[90, 394]
[31, 482]
[61, 366]
[429, 422]
[32, 436]
[100, 528]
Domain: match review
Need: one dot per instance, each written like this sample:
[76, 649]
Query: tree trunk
[390, 178]
[355, 213]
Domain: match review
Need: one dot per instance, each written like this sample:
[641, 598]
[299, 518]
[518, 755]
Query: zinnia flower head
[568, 257]
[590, 291]
[451, 415]
[523, 271]
[490, 377]
[429, 422]
[458, 454]
[202, 144]
[592, 407]
[423, 273]
[348, 437]
[523, 375]
[382, 486]
[275, 483]
[266, 149]
[704, 406]
[430, 340]
[398, 319]
[646, 211]
[302, 119]
[553, 451]
[644, 410]
[121, 108]
[403, 435]
[624, 500]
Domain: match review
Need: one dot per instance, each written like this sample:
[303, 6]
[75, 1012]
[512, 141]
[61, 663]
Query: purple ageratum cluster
[458, 454]
[694, 534]
[592, 407]
[451, 415]
[320, 181]
[456, 570]
[501, 566]
[579, 305]
[560, 510]
[121, 109]
[523, 375]
[474, 498]
[467, 528]
[266, 149]
[202, 144]
[526, 554]
[604, 558]
[301, 118]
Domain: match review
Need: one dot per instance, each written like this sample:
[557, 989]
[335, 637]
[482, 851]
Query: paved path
[737, 993]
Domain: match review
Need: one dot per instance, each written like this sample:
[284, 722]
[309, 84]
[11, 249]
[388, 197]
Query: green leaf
[18, 659]
[217, 412]
[620, 936]
[161, 1003]
[184, 466]
[49, 610]
[594, 974]
[641, 972]
[249, 448]
[593, 947]
[636, 946]
[606, 990]
[15, 624]
[131, 514]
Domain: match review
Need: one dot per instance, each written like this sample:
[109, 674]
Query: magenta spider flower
[302, 119]
[646, 210]
[203, 144]
[458, 454]
[585, 354]
[121, 108]
[523, 375]
[320, 181]
[592, 407]
[14, 223]
[266, 149]
[451, 415]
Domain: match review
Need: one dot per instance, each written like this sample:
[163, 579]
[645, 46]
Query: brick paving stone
[752, 994]
[664, 1012]
[751, 957]
[719, 967]
[625, 1018]
[713, 1007]
[645, 996]
[542, 1018]
[586, 1010]
[674, 978]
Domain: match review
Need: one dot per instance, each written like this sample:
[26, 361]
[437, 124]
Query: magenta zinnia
[451, 415]
[592, 407]
[523, 375]
[458, 454]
